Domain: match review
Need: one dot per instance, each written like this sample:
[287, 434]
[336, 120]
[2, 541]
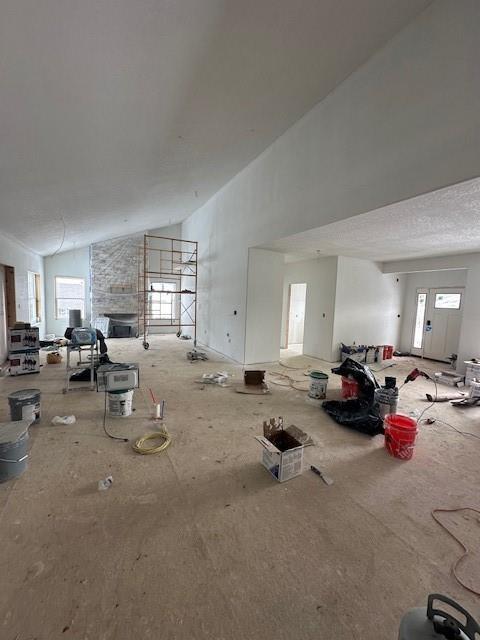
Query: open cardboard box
[282, 454]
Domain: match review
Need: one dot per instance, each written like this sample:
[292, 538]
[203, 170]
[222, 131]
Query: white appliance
[117, 377]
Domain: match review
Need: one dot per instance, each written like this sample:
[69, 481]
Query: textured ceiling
[121, 115]
[443, 222]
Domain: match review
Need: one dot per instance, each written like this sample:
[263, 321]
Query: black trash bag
[361, 374]
[356, 414]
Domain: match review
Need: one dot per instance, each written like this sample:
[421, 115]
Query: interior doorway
[296, 316]
[7, 307]
[438, 319]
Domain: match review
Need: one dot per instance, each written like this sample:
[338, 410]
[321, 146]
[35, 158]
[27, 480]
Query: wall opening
[7, 307]
[297, 296]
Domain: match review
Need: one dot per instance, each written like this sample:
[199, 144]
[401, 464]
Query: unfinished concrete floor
[200, 542]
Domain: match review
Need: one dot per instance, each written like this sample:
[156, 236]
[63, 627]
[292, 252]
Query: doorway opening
[7, 307]
[437, 323]
[297, 297]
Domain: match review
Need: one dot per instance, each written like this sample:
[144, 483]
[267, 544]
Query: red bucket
[400, 435]
[349, 388]
[387, 351]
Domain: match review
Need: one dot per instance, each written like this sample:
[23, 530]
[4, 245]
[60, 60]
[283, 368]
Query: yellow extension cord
[140, 447]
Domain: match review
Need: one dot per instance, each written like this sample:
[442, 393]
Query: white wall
[368, 304]
[3, 318]
[320, 276]
[407, 122]
[15, 255]
[171, 231]
[425, 280]
[75, 263]
[469, 346]
[264, 304]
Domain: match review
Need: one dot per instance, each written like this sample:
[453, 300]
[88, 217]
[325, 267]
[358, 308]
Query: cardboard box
[22, 362]
[23, 339]
[282, 455]
[472, 372]
[358, 356]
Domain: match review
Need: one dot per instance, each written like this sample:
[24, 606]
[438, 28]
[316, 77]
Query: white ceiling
[443, 222]
[122, 115]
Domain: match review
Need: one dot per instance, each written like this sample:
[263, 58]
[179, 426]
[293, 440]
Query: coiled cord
[139, 446]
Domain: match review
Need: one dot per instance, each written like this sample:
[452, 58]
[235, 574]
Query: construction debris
[196, 355]
[327, 480]
[450, 377]
[445, 398]
[63, 420]
[105, 484]
[220, 378]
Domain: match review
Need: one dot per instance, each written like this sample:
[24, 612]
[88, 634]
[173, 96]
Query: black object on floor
[357, 414]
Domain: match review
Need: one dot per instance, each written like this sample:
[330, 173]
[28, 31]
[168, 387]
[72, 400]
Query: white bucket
[318, 385]
[120, 404]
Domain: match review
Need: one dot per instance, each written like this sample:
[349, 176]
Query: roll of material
[74, 318]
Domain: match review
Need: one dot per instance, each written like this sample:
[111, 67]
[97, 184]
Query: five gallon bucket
[386, 400]
[400, 435]
[13, 449]
[318, 385]
[25, 405]
[120, 403]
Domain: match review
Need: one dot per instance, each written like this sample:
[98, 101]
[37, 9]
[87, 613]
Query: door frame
[428, 291]
[10, 298]
[289, 304]
[418, 352]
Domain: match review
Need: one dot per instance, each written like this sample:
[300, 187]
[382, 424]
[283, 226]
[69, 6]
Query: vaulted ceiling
[122, 115]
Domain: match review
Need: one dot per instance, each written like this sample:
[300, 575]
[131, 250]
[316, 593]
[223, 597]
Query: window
[419, 320]
[34, 298]
[448, 300]
[69, 294]
[162, 304]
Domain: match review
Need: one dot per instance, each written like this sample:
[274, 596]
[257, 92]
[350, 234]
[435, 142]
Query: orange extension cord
[465, 549]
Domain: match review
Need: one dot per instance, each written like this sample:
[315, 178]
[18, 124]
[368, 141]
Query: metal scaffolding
[167, 285]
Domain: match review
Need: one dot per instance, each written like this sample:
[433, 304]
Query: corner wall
[368, 306]
[264, 304]
[469, 345]
[389, 132]
[15, 255]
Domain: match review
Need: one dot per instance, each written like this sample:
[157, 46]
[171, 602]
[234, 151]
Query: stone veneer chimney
[114, 272]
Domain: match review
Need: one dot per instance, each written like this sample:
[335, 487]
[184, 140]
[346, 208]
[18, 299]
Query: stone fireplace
[114, 269]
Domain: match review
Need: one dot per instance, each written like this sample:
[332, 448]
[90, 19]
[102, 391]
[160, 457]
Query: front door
[438, 322]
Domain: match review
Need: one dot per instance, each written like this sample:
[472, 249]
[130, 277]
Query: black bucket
[25, 405]
[13, 449]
